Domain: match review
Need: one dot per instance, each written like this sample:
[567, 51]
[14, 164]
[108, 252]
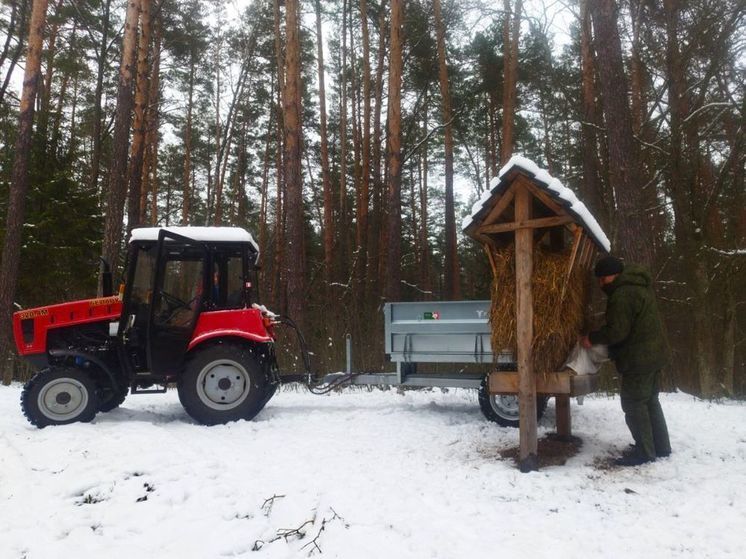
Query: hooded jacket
[633, 330]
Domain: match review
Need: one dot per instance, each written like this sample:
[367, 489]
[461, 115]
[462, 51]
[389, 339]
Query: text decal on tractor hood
[104, 301]
[25, 315]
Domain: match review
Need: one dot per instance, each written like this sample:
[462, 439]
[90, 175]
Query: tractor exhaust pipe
[107, 283]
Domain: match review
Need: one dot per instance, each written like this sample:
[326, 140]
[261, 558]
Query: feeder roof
[543, 180]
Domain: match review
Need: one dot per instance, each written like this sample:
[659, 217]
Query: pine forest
[352, 137]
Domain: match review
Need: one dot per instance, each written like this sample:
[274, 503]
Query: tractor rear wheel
[223, 383]
[503, 408]
[58, 396]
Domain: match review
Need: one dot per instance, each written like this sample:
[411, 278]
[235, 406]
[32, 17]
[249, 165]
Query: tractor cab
[186, 315]
[175, 275]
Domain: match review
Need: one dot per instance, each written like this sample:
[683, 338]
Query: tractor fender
[88, 357]
[228, 333]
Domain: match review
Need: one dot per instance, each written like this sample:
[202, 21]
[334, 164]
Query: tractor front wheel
[223, 383]
[58, 396]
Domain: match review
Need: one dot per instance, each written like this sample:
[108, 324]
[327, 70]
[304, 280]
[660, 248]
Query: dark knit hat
[608, 266]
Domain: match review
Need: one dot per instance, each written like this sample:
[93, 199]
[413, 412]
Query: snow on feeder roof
[563, 198]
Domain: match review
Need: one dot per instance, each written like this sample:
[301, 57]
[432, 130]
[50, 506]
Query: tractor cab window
[227, 280]
[181, 290]
[142, 281]
[143, 258]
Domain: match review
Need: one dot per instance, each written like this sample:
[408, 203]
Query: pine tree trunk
[356, 260]
[98, 97]
[142, 89]
[152, 117]
[375, 261]
[363, 210]
[10, 30]
[45, 93]
[57, 124]
[229, 131]
[217, 192]
[293, 179]
[683, 174]
[639, 102]
[325, 177]
[342, 219]
[278, 276]
[278, 281]
[635, 236]
[452, 273]
[393, 267]
[264, 202]
[511, 35]
[19, 181]
[186, 205]
[22, 28]
[493, 140]
[117, 193]
[56, 132]
[425, 279]
[593, 193]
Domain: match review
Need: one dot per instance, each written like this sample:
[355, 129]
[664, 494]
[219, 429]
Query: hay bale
[558, 320]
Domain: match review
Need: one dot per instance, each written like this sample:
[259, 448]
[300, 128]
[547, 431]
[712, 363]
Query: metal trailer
[442, 344]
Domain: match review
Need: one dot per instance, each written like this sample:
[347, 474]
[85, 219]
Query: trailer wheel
[223, 383]
[503, 409]
[58, 396]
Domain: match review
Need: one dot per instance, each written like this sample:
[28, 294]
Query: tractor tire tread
[30, 390]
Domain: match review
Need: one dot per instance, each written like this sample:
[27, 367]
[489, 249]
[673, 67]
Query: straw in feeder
[558, 316]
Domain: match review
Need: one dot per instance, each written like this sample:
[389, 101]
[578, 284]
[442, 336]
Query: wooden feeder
[526, 207]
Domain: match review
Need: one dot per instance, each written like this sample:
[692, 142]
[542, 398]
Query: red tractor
[188, 315]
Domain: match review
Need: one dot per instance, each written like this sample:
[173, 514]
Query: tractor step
[136, 390]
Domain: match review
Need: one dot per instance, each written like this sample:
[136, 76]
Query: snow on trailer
[541, 242]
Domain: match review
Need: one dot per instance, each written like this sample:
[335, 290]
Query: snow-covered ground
[365, 474]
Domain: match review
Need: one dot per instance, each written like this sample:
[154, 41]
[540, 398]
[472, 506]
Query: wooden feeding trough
[541, 242]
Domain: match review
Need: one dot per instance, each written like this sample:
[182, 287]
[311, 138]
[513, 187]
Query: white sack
[586, 361]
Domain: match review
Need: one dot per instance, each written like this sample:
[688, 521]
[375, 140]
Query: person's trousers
[643, 413]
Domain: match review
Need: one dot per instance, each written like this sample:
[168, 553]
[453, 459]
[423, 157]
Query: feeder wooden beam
[527, 224]
[501, 205]
[559, 383]
[578, 234]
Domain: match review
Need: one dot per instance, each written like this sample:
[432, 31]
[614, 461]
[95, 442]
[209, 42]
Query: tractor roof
[204, 234]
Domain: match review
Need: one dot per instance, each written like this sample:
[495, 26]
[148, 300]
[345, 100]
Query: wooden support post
[524, 262]
[562, 411]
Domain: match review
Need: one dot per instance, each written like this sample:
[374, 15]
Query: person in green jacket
[637, 345]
